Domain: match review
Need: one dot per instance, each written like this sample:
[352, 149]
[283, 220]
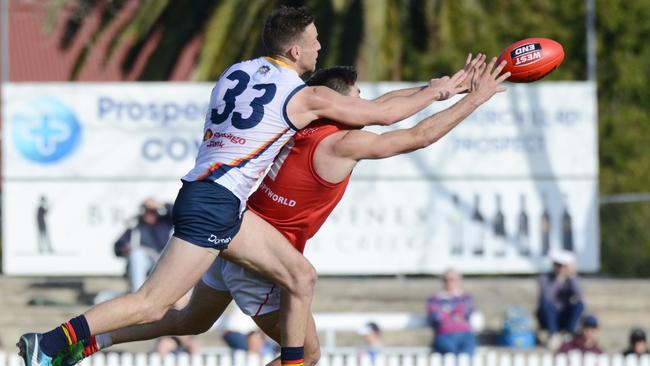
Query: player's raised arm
[313, 103]
[359, 144]
[470, 64]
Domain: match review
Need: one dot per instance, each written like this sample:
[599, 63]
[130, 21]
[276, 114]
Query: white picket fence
[337, 358]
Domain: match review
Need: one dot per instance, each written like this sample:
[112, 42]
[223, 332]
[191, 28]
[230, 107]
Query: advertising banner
[79, 159]
[513, 181]
[516, 179]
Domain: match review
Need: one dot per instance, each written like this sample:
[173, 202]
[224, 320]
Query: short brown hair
[285, 25]
[337, 78]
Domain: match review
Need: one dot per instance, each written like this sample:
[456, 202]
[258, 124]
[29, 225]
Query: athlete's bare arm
[357, 144]
[470, 63]
[313, 103]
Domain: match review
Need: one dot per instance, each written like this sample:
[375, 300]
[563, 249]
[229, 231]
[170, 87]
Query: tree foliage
[420, 39]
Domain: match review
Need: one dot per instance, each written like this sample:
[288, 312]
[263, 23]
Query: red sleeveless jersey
[292, 197]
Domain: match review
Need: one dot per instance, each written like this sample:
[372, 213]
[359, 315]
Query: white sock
[104, 340]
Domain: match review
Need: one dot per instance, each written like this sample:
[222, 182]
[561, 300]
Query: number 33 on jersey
[246, 124]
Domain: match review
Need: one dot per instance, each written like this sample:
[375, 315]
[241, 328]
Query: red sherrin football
[531, 59]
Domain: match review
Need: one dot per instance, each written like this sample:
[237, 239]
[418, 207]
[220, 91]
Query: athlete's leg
[261, 248]
[258, 247]
[270, 324]
[206, 215]
[180, 267]
[204, 308]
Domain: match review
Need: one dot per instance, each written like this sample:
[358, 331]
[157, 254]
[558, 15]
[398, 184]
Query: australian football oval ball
[531, 59]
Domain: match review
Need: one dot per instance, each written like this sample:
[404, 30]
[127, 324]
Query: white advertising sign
[541, 130]
[102, 131]
[516, 179]
[68, 228]
[490, 226]
[78, 159]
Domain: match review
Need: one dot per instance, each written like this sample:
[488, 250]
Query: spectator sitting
[560, 297]
[142, 244]
[372, 337]
[638, 345]
[448, 312]
[586, 341]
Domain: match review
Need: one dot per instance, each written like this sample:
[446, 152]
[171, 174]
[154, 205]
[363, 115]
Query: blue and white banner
[78, 159]
[514, 180]
[102, 130]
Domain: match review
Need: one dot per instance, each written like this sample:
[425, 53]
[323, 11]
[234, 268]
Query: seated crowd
[563, 324]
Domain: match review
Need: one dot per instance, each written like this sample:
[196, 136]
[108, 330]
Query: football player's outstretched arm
[318, 102]
[357, 144]
[470, 63]
[407, 92]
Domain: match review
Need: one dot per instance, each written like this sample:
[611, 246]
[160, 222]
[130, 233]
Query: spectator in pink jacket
[448, 313]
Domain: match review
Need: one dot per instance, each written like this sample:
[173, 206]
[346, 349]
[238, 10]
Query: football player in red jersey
[302, 188]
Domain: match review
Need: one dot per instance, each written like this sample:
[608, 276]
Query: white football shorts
[253, 294]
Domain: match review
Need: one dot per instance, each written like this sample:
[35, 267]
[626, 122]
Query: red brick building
[34, 54]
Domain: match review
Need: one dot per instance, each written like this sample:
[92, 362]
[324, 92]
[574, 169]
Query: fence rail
[489, 358]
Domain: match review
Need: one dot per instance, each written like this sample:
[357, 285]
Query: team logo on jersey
[232, 138]
[263, 70]
[207, 135]
[276, 197]
[306, 131]
[216, 144]
[216, 240]
[45, 130]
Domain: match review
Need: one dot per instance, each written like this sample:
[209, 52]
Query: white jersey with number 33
[246, 124]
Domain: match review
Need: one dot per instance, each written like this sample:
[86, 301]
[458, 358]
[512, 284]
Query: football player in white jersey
[336, 155]
[256, 106]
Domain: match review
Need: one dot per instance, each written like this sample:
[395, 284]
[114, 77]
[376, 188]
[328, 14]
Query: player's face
[309, 46]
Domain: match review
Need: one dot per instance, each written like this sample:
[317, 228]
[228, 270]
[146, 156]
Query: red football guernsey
[292, 197]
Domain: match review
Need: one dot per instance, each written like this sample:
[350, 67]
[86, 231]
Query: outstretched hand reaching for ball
[486, 80]
[461, 81]
[471, 65]
[446, 87]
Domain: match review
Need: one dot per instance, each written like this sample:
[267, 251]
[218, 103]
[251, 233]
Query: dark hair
[637, 335]
[374, 327]
[283, 26]
[338, 78]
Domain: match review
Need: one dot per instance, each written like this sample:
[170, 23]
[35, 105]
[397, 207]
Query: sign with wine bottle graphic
[516, 179]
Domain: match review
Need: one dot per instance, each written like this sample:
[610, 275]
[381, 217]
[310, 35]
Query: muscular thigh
[260, 248]
[206, 304]
[179, 268]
